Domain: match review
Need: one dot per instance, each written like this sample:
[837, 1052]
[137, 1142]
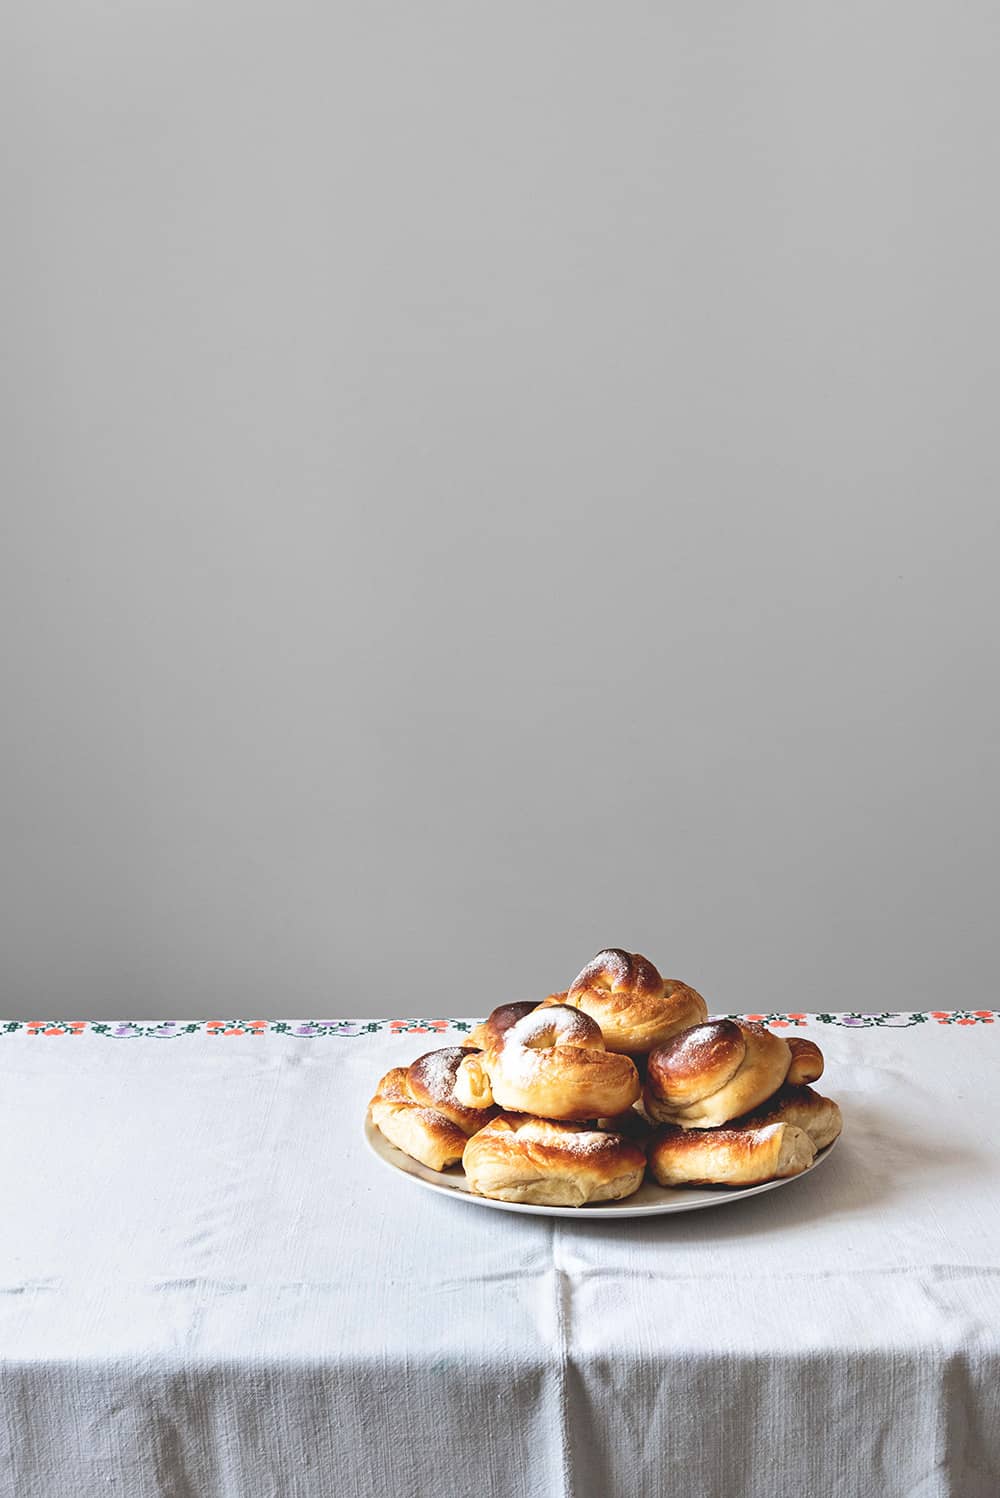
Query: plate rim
[384, 1150]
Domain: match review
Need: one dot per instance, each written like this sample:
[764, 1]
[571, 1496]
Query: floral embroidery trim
[307, 1029]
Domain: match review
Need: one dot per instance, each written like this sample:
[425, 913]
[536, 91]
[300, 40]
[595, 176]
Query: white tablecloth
[209, 1288]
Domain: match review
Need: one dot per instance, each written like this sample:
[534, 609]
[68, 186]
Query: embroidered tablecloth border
[307, 1029]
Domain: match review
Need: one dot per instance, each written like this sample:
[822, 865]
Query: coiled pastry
[807, 1061]
[714, 1072]
[417, 1109]
[819, 1116]
[635, 1008]
[517, 1158]
[551, 1062]
[489, 1033]
[729, 1157]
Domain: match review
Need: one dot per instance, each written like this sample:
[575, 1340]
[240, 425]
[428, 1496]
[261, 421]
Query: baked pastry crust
[729, 1157]
[807, 1061]
[714, 1072]
[552, 1063]
[417, 1109]
[490, 1032]
[635, 1007]
[560, 1102]
[819, 1116]
[518, 1158]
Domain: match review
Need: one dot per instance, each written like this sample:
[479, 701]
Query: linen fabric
[211, 1288]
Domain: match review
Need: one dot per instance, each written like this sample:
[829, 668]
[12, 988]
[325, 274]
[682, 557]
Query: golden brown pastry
[714, 1072]
[416, 1108]
[517, 1158]
[551, 1062]
[819, 1116]
[729, 1157]
[635, 1008]
[488, 1034]
[807, 1061]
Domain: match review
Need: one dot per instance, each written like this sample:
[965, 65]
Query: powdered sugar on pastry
[436, 1072]
[552, 1063]
[559, 1025]
[578, 1142]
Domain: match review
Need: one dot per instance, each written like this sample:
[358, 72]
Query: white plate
[649, 1200]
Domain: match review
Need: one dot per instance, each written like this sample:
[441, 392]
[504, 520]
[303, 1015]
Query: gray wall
[482, 482]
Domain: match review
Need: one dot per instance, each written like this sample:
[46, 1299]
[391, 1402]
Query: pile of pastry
[572, 1100]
